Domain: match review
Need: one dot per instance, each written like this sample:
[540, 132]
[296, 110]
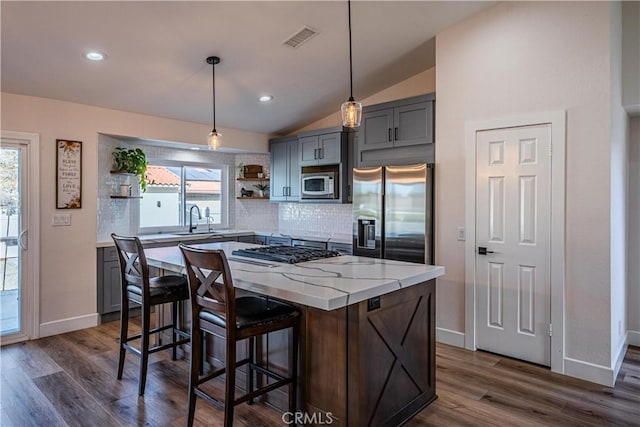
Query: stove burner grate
[285, 254]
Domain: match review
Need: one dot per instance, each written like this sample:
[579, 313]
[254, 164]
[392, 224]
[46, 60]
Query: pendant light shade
[352, 109]
[214, 136]
[351, 113]
[214, 140]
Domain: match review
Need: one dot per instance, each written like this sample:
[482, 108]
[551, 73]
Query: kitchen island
[368, 335]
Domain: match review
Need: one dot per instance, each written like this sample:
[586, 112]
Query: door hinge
[550, 330]
[550, 150]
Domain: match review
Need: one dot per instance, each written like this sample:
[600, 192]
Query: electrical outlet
[373, 303]
[461, 234]
[61, 220]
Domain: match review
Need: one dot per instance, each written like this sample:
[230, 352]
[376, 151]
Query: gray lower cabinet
[312, 244]
[260, 240]
[285, 170]
[278, 241]
[398, 132]
[108, 281]
[343, 248]
[247, 239]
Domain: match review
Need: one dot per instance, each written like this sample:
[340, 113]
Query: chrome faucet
[191, 226]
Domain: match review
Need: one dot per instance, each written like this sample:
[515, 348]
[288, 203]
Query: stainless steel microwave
[320, 185]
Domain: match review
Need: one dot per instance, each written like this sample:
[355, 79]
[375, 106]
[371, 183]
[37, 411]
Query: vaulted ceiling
[156, 55]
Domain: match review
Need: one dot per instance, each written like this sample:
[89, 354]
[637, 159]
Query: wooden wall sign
[68, 174]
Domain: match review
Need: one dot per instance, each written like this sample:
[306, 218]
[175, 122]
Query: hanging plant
[133, 161]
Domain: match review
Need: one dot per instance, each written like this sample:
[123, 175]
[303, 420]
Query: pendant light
[352, 109]
[214, 135]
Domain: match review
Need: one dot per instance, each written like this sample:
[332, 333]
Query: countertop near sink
[170, 237]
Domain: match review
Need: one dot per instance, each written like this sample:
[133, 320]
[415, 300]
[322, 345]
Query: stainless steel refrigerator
[393, 212]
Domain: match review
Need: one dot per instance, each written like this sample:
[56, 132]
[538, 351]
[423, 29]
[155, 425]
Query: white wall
[619, 194]
[633, 277]
[517, 58]
[67, 254]
[631, 55]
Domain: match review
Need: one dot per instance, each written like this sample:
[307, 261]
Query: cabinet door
[377, 130]
[111, 287]
[343, 248]
[413, 124]
[278, 241]
[279, 171]
[293, 181]
[308, 147]
[247, 239]
[329, 148]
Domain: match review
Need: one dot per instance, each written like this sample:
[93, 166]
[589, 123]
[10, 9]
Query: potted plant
[133, 161]
[262, 187]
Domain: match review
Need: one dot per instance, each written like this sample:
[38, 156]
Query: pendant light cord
[350, 54]
[213, 79]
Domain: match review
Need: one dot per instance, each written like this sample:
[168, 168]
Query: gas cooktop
[286, 254]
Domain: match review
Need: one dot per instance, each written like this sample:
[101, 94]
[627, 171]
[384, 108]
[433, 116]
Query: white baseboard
[447, 336]
[67, 325]
[620, 356]
[589, 371]
[633, 338]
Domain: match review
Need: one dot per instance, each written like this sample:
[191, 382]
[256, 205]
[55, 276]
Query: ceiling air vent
[302, 36]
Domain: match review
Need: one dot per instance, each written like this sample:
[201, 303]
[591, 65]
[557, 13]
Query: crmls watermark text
[302, 418]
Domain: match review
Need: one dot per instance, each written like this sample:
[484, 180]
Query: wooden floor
[70, 380]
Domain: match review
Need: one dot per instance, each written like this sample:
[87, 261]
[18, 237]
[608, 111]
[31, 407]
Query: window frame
[224, 199]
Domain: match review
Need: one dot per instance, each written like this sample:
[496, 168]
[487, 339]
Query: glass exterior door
[12, 237]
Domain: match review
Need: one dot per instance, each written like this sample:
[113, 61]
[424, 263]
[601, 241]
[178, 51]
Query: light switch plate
[61, 220]
[461, 234]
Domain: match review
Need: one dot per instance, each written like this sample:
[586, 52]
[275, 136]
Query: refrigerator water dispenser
[367, 233]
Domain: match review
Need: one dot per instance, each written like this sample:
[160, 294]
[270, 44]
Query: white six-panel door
[513, 208]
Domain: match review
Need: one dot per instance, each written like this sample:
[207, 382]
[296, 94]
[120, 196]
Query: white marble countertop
[326, 284]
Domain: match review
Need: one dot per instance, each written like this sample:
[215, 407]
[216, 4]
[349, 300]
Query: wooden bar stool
[214, 306]
[138, 287]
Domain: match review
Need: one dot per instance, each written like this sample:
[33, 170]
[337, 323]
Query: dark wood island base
[371, 366]
[371, 363]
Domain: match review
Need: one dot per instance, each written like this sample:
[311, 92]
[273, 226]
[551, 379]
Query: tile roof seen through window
[199, 180]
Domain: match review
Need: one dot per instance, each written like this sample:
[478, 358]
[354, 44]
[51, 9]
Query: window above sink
[174, 189]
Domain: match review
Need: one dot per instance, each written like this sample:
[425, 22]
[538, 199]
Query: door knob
[22, 242]
[483, 251]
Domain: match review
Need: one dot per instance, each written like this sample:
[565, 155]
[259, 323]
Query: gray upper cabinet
[377, 128]
[398, 132]
[323, 149]
[285, 170]
[413, 124]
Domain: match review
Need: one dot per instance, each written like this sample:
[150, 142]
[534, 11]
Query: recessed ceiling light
[265, 98]
[95, 56]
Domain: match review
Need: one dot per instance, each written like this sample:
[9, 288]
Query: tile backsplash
[121, 215]
[315, 219]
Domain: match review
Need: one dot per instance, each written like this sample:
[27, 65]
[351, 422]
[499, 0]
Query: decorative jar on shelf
[125, 190]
